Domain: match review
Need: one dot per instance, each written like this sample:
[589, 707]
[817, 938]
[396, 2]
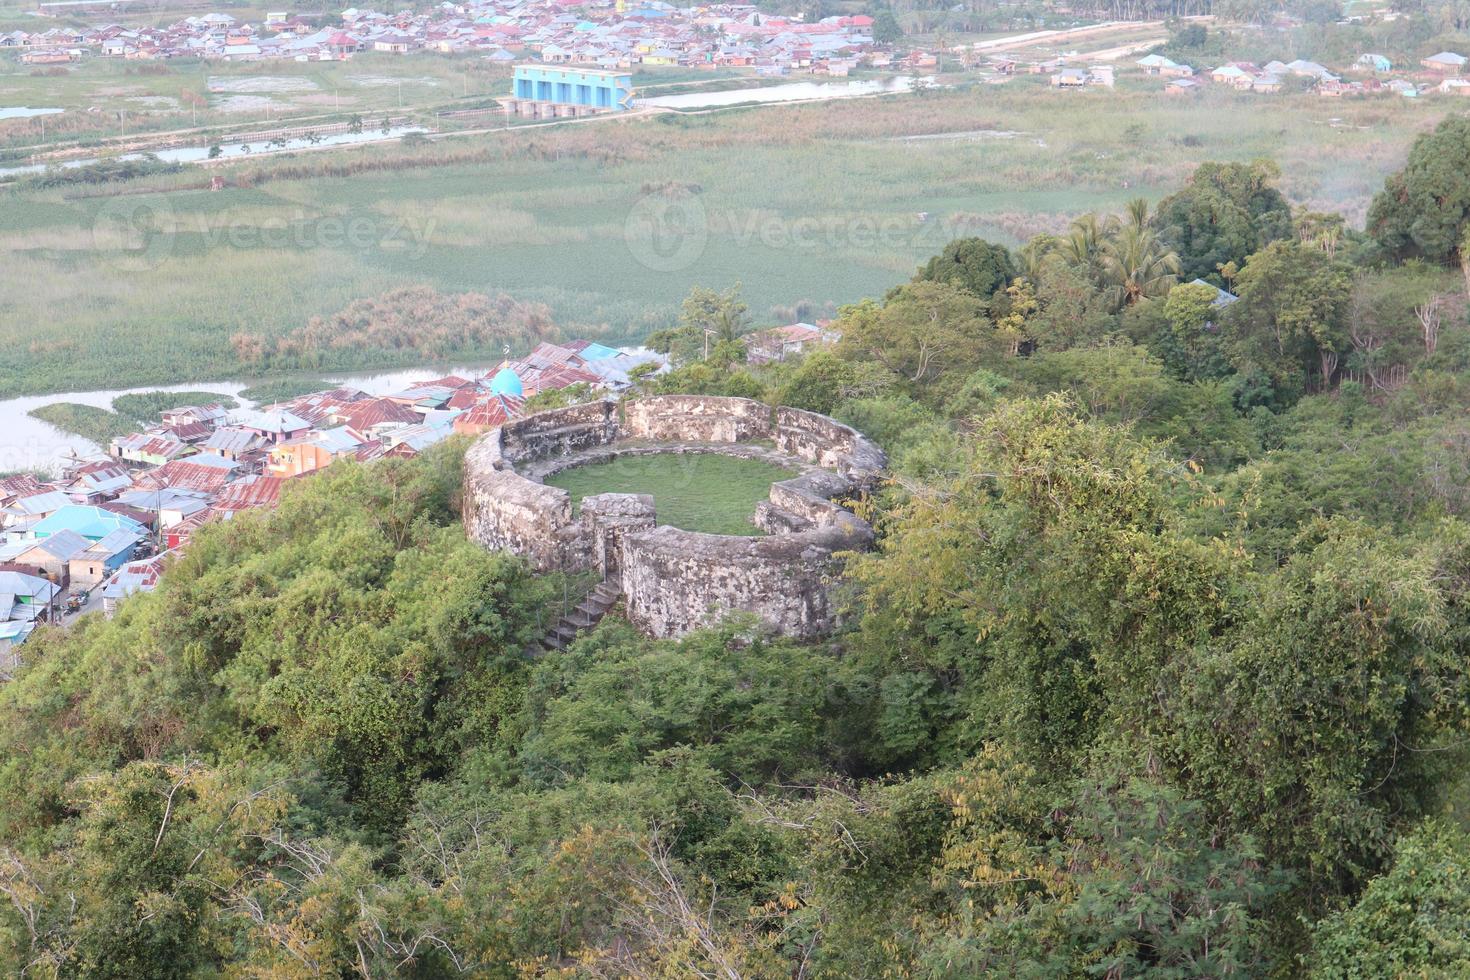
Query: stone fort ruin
[674, 580]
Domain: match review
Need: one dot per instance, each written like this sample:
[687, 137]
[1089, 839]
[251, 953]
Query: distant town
[621, 36]
[607, 35]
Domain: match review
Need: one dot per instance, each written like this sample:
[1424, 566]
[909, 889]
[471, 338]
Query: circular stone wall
[675, 580]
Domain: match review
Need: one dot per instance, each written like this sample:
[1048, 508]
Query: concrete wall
[696, 418]
[674, 580]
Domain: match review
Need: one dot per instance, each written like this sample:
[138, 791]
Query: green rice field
[695, 491]
[610, 223]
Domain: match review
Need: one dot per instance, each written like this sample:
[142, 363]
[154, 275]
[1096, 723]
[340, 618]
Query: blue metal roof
[92, 523]
[596, 352]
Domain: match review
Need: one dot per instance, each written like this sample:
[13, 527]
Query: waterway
[236, 150]
[795, 92]
[25, 112]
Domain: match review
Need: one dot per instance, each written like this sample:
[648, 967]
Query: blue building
[569, 91]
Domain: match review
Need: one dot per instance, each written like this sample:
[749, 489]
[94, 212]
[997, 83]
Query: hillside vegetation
[1157, 669]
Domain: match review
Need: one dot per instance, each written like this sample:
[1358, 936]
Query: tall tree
[1423, 209]
[1227, 212]
[1136, 265]
[971, 263]
[1289, 323]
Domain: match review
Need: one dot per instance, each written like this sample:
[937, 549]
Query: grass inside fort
[695, 491]
[145, 281]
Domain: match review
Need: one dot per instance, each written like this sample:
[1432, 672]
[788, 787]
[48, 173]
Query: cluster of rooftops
[606, 33]
[112, 522]
[1270, 77]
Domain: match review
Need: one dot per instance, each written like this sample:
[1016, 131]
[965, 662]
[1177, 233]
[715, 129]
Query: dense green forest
[1158, 668]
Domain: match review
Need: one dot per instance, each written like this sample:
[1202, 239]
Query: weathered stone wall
[676, 580]
[696, 418]
[559, 432]
[828, 443]
[505, 511]
[607, 518]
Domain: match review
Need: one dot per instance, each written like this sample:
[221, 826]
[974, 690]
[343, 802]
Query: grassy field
[610, 223]
[697, 492]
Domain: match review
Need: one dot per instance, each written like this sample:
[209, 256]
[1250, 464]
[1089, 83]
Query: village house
[90, 523]
[490, 413]
[1446, 63]
[131, 578]
[51, 555]
[23, 513]
[12, 488]
[102, 558]
[273, 425]
[249, 493]
[779, 343]
[1157, 64]
[152, 449]
[371, 418]
[206, 473]
[234, 443]
[97, 482]
[313, 451]
[25, 599]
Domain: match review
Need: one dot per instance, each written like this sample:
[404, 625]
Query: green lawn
[694, 491]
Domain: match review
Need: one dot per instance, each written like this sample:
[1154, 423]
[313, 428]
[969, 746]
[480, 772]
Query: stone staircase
[587, 615]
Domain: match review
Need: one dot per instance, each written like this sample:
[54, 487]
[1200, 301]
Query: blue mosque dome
[506, 382]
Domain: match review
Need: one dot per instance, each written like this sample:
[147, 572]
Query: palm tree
[1082, 246]
[1135, 265]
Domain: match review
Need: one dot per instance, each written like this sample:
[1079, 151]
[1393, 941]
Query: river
[25, 112]
[795, 92]
[230, 150]
[27, 443]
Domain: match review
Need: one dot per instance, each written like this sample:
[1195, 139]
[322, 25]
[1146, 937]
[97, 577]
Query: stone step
[587, 614]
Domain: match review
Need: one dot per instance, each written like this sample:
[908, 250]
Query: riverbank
[31, 444]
